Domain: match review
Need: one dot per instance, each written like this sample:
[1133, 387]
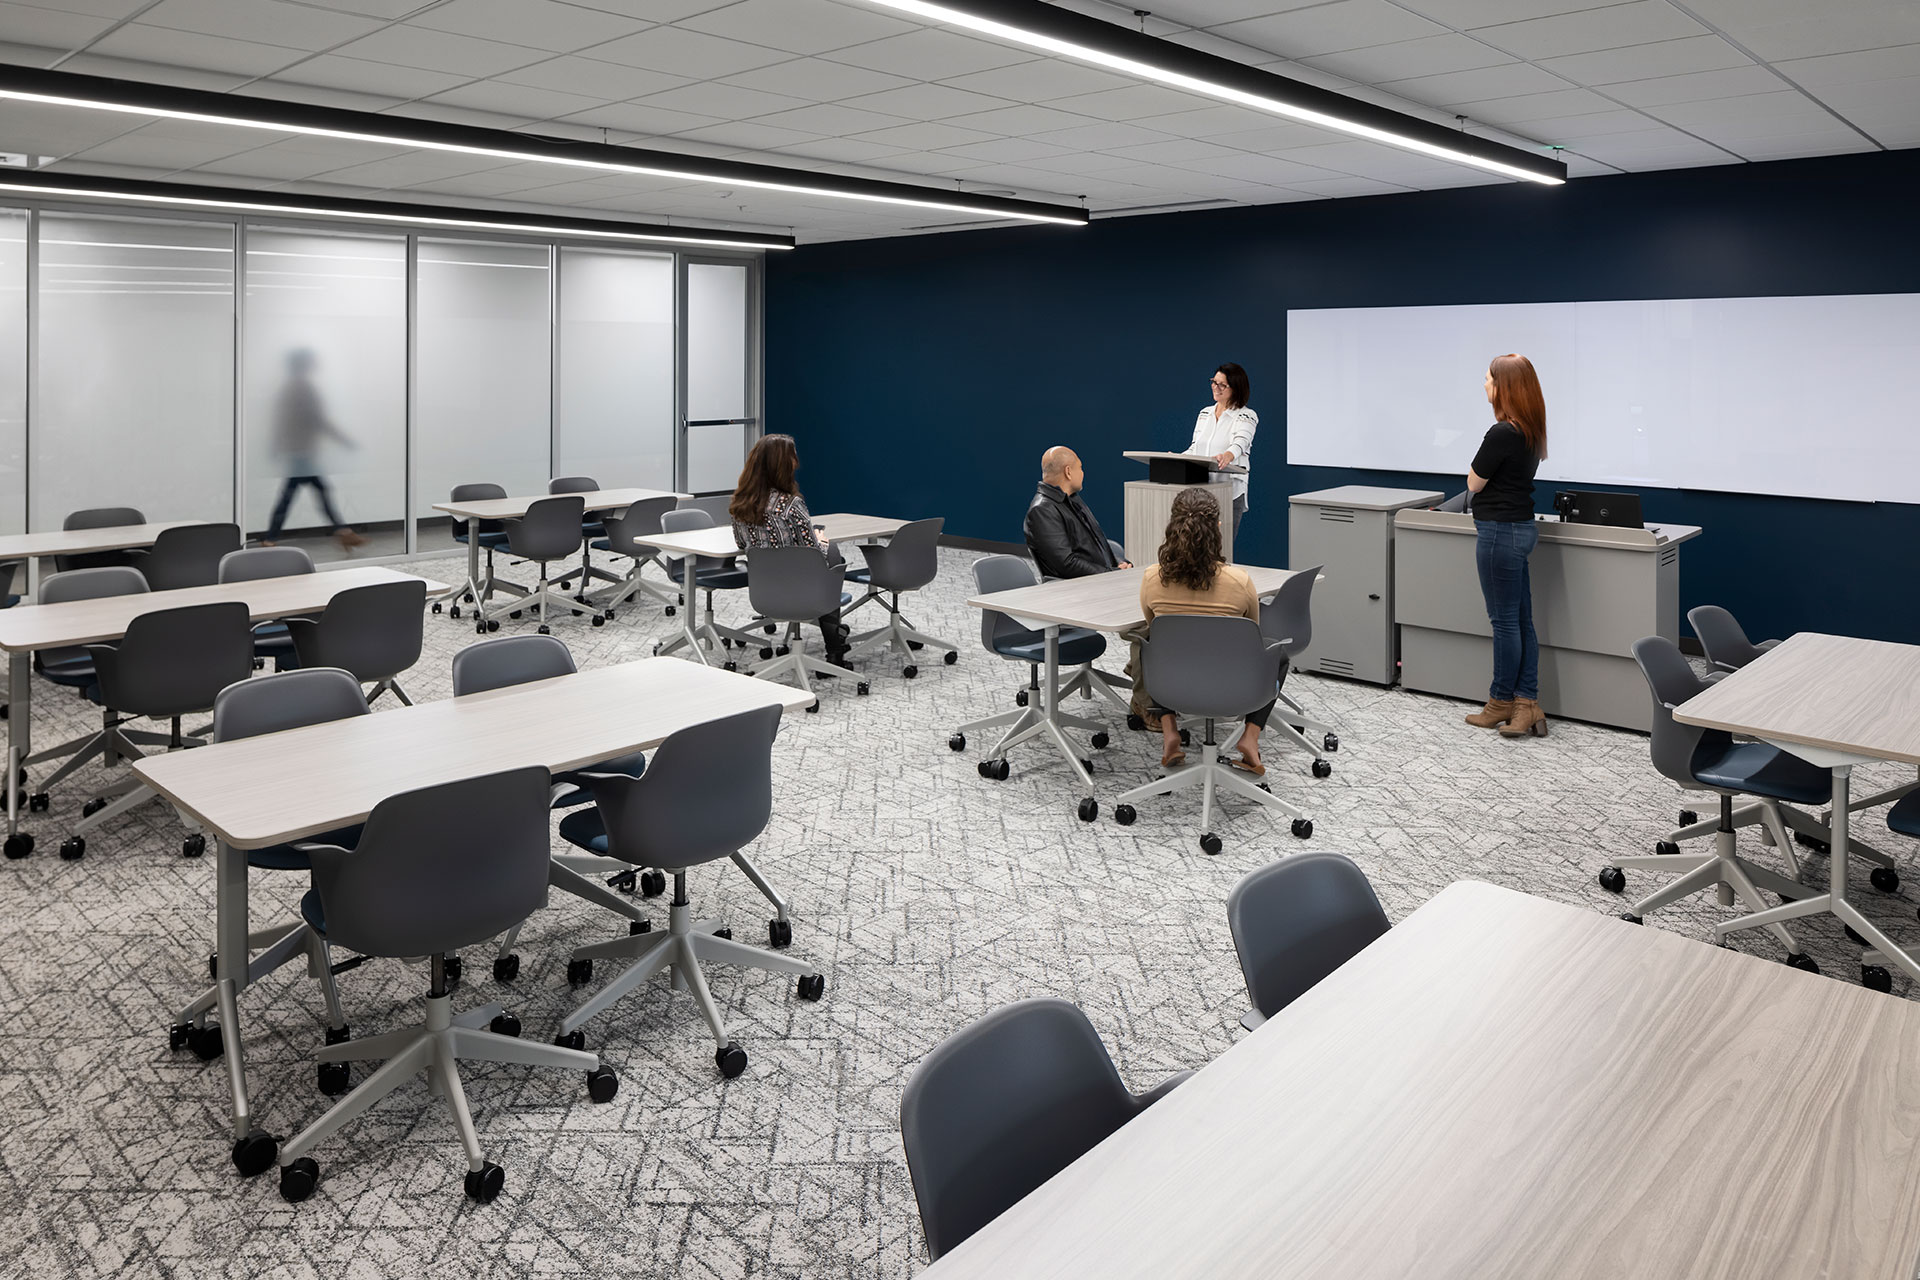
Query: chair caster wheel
[453, 969]
[454, 612]
[1811, 842]
[485, 1183]
[909, 671]
[602, 1084]
[1802, 962]
[626, 882]
[1613, 879]
[506, 968]
[811, 986]
[1666, 849]
[1875, 978]
[1688, 817]
[39, 802]
[73, 848]
[544, 629]
[1125, 814]
[178, 1035]
[93, 806]
[731, 1060]
[205, 1041]
[813, 707]
[951, 658]
[637, 927]
[915, 644]
[670, 611]
[779, 933]
[1186, 738]
[1089, 809]
[493, 624]
[1210, 844]
[579, 973]
[1020, 698]
[572, 1040]
[771, 628]
[1854, 937]
[480, 628]
[1331, 742]
[863, 688]
[193, 846]
[652, 883]
[468, 597]
[437, 606]
[729, 665]
[516, 614]
[957, 742]
[1266, 787]
[504, 1024]
[18, 846]
[1631, 918]
[599, 620]
[1303, 828]
[766, 652]
[724, 931]
[254, 1154]
[608, 614]
[1100, 740]
[1885, 879]
[998, 770]
[334, 1078]
[1323, 768]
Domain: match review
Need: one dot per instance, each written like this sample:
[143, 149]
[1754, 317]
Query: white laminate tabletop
[842, 526]
[1153, 455]
[1857, 697]
[1505, 1088]
[514, 508]
[1101, 601]
[71, 542]
[719, 541]
[277, 787]
[50, 626]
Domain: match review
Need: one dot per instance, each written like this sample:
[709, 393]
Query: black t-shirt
[1507, 465]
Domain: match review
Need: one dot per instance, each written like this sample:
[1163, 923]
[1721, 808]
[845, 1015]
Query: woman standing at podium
[1224, 431]
[1501, 482]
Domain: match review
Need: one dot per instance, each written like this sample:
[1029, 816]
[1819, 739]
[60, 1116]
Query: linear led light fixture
[170, 102]
[1067, 34]
[185, 195]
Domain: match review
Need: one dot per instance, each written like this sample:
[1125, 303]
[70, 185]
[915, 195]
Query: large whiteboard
[1809, 397]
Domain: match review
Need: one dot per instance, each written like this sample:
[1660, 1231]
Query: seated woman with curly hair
[1193, 577]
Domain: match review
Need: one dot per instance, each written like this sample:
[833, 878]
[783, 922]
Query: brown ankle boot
[1492, 714]
[1527, 718]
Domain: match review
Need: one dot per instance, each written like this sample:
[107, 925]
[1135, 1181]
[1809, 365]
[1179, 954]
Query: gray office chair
[373, 631]
[1294, 922]
[1709, 760]
[98, 518]
[1005, 637]
[1218, 669]
[637, 521]
[275, 704]
[492, 537]
[434, 870]
[73, 668]
[271, 639]
[187, 555]
[706, 795]
[549, 531]
[1002, 1105]
[591, 528]
[505, 661]
[1722, 638]
[906, 562]
[794, 585]
[710, 574]
[1287, 620]
[171, 663]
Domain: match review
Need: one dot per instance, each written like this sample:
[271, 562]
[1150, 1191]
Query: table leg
[19, 745]
[1050, 699]
[232, 972]
[689, 629]
[1842, 906]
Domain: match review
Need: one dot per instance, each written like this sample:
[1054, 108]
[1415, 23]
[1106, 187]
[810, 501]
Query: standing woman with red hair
[1501, 481]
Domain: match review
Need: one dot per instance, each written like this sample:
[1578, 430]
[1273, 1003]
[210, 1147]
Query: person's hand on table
[1223, 459]
[1124, 564]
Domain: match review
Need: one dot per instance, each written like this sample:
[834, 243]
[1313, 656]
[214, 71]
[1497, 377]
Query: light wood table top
[284, 786]
[49, 626]
[1857, 697]
[1100, 601]
[1153, 455]
[73, 542]
[1504, 1088]
[843, 526]
[514, 508]
[719, 541]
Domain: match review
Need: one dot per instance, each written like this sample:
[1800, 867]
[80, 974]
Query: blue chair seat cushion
[720, 579]
[1756, 769]
[631, 765]
[583, 829]
[488, 539]
[1076, 647]
[284, 857]
[860, 575]
[62, 666]
[1905, 816]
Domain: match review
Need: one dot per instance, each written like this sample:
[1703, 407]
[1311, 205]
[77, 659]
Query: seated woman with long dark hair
[768, 511]
[1193, 577]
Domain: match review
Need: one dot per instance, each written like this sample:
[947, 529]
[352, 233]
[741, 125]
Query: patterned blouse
[785, 523]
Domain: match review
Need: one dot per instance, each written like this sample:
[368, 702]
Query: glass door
[720, 376]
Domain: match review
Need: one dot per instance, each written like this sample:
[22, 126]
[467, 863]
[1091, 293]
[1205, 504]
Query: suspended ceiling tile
[273, 22]
[1844, 70]
[1506, 81]
[160, 152]
[184, 49]
[357, 75]
[930, 55]
[692, 54]
[1693, 86]
[1336, 188]
[1132, 103]
[1330, 28]
[1469, 14]
[721, 100]
[534, 24]
[518, 100]
[925, 102]
[1820, 142]
[608, 81]
[799, 26]
[439, 51]
[1812, 29]
[748, 135]
[1100, 136]
[1668, 58]
[816, 79]
[1007, 151]
[50, 28]
[1402, 60]
[1614, 26]
[832, 120]
[925, 136]
[1516, 111]
[1566, 130]
[640, 119]
[1040, 80]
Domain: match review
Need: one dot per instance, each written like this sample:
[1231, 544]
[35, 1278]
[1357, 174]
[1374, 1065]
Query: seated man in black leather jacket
[1062, 535]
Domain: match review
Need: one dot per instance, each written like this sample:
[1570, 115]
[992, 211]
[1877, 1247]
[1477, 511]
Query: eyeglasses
[1223, 386]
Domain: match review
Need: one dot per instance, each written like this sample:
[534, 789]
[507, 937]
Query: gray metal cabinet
[1350, 530]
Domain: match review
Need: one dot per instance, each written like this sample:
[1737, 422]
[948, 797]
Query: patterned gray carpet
[927, 895]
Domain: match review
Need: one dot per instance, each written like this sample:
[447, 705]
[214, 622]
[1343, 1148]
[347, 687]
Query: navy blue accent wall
[924, 375]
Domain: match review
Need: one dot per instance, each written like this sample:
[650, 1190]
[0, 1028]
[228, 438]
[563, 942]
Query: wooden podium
[1149, 502]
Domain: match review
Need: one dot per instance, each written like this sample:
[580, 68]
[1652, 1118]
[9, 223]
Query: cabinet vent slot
[1335, 667]
[1669, 555]
[1339, 515]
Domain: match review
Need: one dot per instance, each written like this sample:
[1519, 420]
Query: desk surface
[1152, 455]
[1504, 1088]
[1100, 601]
[1648, 537]
[70, 542]
[1859, 697]
[48, 626]
[283, 786]
[718, 540]
[514, 508]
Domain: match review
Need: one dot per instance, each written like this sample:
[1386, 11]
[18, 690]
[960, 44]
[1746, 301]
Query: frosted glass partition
[716, 374]
[135, 369]
[324, 398]
[483, 357]
[13, 371]
[616, 368]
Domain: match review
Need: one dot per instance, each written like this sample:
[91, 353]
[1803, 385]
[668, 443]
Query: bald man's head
[1060, 467]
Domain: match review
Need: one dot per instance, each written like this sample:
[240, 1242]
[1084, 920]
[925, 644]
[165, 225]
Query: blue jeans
[1501, 556]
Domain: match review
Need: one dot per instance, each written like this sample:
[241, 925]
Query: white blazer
[1233, 431]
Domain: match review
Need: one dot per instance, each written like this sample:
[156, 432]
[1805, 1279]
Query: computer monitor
[1585, 506]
